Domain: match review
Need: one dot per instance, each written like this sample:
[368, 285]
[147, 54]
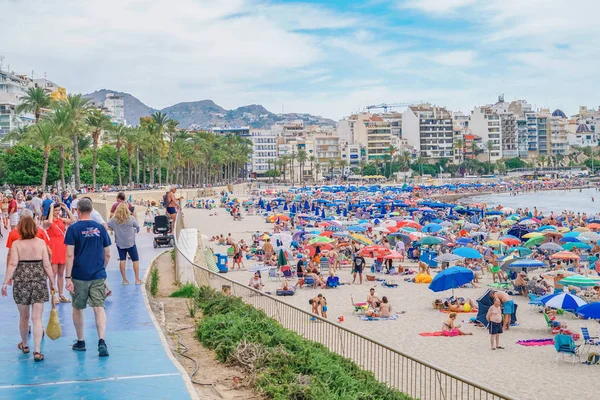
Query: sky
[329, 58]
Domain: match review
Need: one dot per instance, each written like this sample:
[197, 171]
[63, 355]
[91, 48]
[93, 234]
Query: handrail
[484, 393]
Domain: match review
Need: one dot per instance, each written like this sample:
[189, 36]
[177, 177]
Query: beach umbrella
[408, 229]
[321, 239]
[592, 236]
[447, 257]
[534, 241]
[571, 234]
[356, 228]
[451, 278]
[569, 239]
[527, 222]
[551, 247]
[566, 301]
[470, 226]
[495, 243]
[361, 239]
[312, 248]
[527, 263]
[581, 229]
[565, 255]
[464, 240]
[532, 235]
[523, 251]
[430, 228]
[409, 224]
[558, 272]
[510, 241]
[552, 234]
[326, 234]
[340, 234]
[579, 281]
[467, 252]
[508, 222]
[268, 207]
[394, 237]
[281, 261]
[374, 251]
[593, 225]
[591, 310]
[579, 245]
[429, 241]
[546, 228]
[393, 255]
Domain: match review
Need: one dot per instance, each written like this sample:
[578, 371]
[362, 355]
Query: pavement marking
[112, 378]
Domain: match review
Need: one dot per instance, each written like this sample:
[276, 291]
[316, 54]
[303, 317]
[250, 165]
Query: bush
[189, 290]
[154, 278]
[294, 368]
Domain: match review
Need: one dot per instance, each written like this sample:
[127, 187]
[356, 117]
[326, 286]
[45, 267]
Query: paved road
[138, 365]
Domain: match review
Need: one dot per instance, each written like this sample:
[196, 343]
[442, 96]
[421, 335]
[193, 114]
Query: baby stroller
[162, 227]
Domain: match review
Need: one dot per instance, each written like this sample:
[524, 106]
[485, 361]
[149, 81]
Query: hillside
[206, 114]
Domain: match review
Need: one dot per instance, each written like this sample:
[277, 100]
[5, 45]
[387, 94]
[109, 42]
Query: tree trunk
[61, 163]
[119, 167]
[130, 169]
[95, 160]
[137, 165]
[76, 161]
[152, 167]
[45, 173]
[144, 169]
[169, 160]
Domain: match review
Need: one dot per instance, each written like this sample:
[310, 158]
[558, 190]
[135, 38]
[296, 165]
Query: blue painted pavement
[138, 365]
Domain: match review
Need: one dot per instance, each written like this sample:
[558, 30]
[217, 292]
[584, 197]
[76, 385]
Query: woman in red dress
[56, 226]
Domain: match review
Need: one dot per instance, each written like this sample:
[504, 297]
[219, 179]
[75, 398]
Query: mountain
[134, 108]
[206, 114]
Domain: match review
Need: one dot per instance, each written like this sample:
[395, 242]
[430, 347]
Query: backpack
[166, 200]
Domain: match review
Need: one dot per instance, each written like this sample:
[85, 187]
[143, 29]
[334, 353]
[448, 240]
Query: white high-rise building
[485, 123]
[429, 130]
[264, 151]
[115, 106]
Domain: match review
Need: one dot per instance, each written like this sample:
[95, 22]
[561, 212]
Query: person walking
[88, 253]
[494, 317]
[56, 227]
[13, 215]
[172, 205]
[28, 269]
[125, 226]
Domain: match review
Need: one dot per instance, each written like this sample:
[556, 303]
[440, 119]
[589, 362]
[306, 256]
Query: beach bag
[165, 200]
[593, 359]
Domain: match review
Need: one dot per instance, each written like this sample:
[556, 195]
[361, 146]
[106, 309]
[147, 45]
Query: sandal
[24, 348]
[55, 300]
[37, 356]
[64, 299]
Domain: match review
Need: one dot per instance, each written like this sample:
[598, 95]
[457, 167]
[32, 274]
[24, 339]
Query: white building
[557, 124]
[264, 151]
[374, 134]
[429, 130]
[351, 153]
[115, 107]
[345, 130]
[485, 123]
[583, 136]
[12, 88]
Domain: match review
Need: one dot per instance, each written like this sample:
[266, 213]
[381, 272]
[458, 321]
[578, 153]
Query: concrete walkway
[138, 365]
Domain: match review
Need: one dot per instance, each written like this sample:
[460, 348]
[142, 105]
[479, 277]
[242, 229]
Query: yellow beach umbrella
[532, 235]
[362, 239]
[564, 229]
[508, 222]
[495, 243]
[581, 229]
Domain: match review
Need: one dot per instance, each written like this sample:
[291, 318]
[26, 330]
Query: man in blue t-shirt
[88, 253]
[46, 206]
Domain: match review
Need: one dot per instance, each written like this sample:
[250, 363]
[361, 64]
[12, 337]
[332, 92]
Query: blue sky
[330, 58]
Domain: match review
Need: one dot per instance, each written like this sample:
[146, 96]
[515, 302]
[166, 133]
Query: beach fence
[416, 378]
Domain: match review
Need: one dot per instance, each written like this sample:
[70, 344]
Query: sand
[517, 371]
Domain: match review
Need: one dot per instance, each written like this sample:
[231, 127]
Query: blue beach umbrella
[569, 239]
[464, 240]
[356, 228]
[467, 252]
[432, 228]
[322, 213]
[451, 278]
[566, 301]
[285, 207]
[527, 263]
[591, 310]
[268, 207]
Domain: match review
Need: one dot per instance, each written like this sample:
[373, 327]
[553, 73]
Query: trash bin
[222, 262]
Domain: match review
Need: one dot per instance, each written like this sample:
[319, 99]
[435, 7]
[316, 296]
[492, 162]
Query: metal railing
[411, 376]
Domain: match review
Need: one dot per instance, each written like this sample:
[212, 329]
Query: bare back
[30, 249]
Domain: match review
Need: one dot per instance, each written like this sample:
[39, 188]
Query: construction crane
[385, 106]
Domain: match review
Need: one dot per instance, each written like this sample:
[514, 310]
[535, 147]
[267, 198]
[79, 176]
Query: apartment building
[115, 108]
[264, 151]
[557, 126]
[373, 133]
[352, 153]
[522, 137]
[485, 123]
[429, 130]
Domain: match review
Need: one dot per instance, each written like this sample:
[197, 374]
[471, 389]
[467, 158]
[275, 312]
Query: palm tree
[78, 108]
[44, 135]
[542, 160]
[61, 120]
[116, 137]
[342, 164]
[459, 144]
[312, 159]
[34, 101]
[302, 157]
[331, 162]
[171, 130]
[292, 159]
[98, 122]
[489, 146]
[160, 120]
[130, 142]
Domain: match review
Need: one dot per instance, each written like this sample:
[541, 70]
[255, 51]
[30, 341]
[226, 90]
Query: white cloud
[437, 6]
[464, 58]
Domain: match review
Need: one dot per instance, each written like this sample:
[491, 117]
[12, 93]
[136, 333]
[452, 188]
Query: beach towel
[536, 342]
[393, 285]
[458, 312]
[440, 333]
[390, 318]
[423, 278]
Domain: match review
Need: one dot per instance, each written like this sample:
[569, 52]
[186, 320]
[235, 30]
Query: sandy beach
[517, 371]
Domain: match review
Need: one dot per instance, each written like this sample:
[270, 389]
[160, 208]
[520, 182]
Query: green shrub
[295, 368]
[154, 278]
[189, 290]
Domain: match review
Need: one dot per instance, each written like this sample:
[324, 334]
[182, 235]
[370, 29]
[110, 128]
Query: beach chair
[333, 281]
[286, 271]
[534, 303]
[589, 341]
[273, 275]
[309, 281]
[551, 324]
[359, 308]
[565, 346]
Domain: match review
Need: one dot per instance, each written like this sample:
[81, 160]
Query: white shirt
[37, 204]
[96, 217]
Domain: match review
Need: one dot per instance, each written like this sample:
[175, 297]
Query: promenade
[138, 365]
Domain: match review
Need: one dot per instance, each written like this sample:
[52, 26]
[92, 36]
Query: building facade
[115, 108]
[264, 151]
[485, 122]
[429, 130]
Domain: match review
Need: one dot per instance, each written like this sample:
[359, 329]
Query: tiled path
[138, 365]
